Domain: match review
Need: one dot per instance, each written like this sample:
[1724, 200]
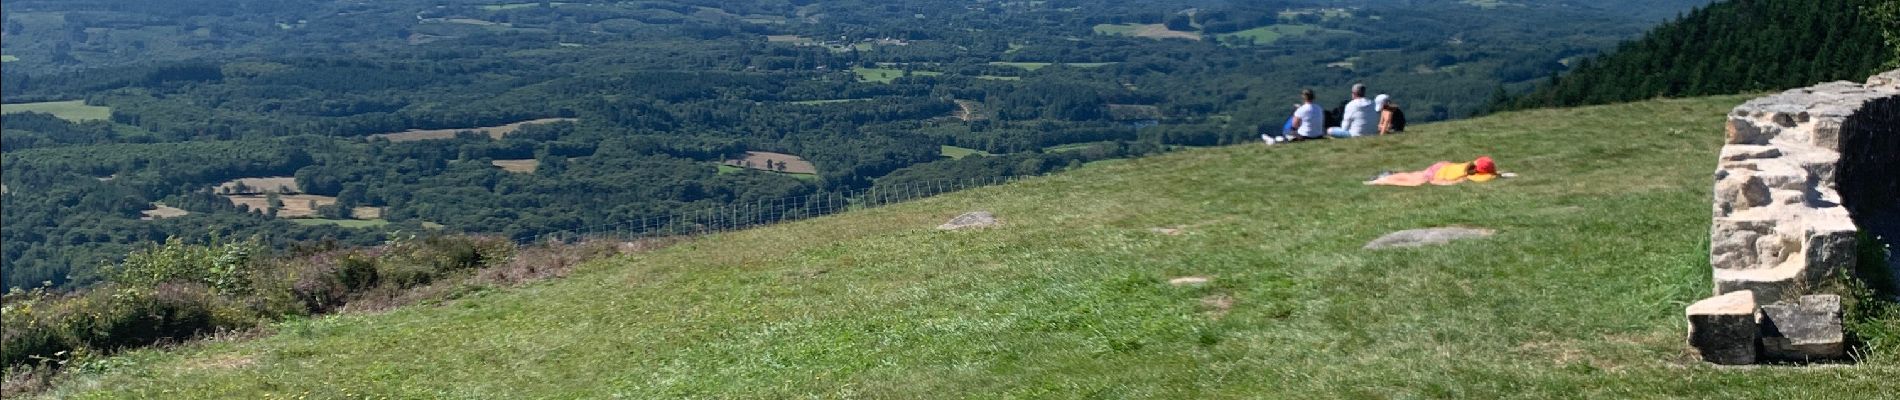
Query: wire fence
[733, 217]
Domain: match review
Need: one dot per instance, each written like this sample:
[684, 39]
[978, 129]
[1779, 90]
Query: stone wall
[1802, 173]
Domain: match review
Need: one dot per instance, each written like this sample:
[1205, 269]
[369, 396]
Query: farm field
[824, 102]
[961, 152]
[511, 6]
[346, 223]
[1264, 35]
[886, 75]
[527, 166]
[1151, 31]
[72, 110]
[496, 132]
[1032, 66]
[269, 184]
[295, 205]
[728, 169]
[756, 160]
[160, 211]
[787, 39]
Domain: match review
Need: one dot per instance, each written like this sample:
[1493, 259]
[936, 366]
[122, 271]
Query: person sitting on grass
[1305, 124]
[1442, 173]
[1355, 120]
[1391, 118]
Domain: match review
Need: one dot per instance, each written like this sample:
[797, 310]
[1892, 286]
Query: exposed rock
[1794, 165]
[969, 220]
[1189, 280]
[1807, 329]
[1722, 328]
[1426, 237]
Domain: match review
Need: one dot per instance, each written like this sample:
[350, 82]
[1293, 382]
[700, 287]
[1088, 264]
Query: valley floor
[1600, 245]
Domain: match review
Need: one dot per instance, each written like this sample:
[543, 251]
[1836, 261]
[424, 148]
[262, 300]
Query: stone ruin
[1802, 176]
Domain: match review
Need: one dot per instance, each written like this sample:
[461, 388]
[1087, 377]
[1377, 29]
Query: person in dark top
[1391, 118]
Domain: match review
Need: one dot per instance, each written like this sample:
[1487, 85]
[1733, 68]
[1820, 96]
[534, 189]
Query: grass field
[161, 211]
[1151, 31]
[73, 110]
[728, 169]
[346, 223]
[886, 75]
[1600, 245]
[824, 102]
[269, 184]
[511, 6]
[496, 132]
[1032, 66]
[527, 166]
[1264, 35]
[961, 152]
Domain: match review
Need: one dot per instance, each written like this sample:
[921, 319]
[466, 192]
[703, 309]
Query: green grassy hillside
[1600, 245]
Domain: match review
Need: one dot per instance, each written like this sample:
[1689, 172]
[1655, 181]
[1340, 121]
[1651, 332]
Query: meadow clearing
[71, 110]
[496, 132]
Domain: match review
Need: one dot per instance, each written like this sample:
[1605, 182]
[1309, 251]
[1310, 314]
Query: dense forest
[129, 122]
[1734, 47]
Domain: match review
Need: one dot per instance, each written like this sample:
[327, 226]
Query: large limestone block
[1722, 329]
[1740, 191]
[1807, 329]
[1746, 131]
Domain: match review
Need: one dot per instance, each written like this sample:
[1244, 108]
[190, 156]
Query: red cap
[1484, 165]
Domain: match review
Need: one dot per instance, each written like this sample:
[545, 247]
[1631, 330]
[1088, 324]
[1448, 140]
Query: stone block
[1722, 329]
[1806, 329]
[1745, 131]
[1740, 192]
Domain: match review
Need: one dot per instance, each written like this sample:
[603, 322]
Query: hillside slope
[1730, 47]
[1601, 243]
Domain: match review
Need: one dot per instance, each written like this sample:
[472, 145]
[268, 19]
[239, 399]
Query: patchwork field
[1264, 35]
[496, 132]
[961, 152]
[824, 102]
[787, 39]
[527, 166]
[757, 160]
[295, 205]
[1151, 31]
[1032, 66]
[160, 211]
[346, 223]
[886, 75]
[511, 6]
[72, 110]
[269, 184]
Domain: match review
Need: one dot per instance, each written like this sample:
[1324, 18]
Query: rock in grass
[1723, 329]
[1807, 329]
[975, 219]
[1189, 281]
[1426, 237]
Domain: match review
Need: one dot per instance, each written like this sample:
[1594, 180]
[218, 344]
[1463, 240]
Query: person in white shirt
[1307, 123]
[1357, 118]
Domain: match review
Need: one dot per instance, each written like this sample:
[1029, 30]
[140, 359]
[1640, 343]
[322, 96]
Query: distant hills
[1731, 47]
